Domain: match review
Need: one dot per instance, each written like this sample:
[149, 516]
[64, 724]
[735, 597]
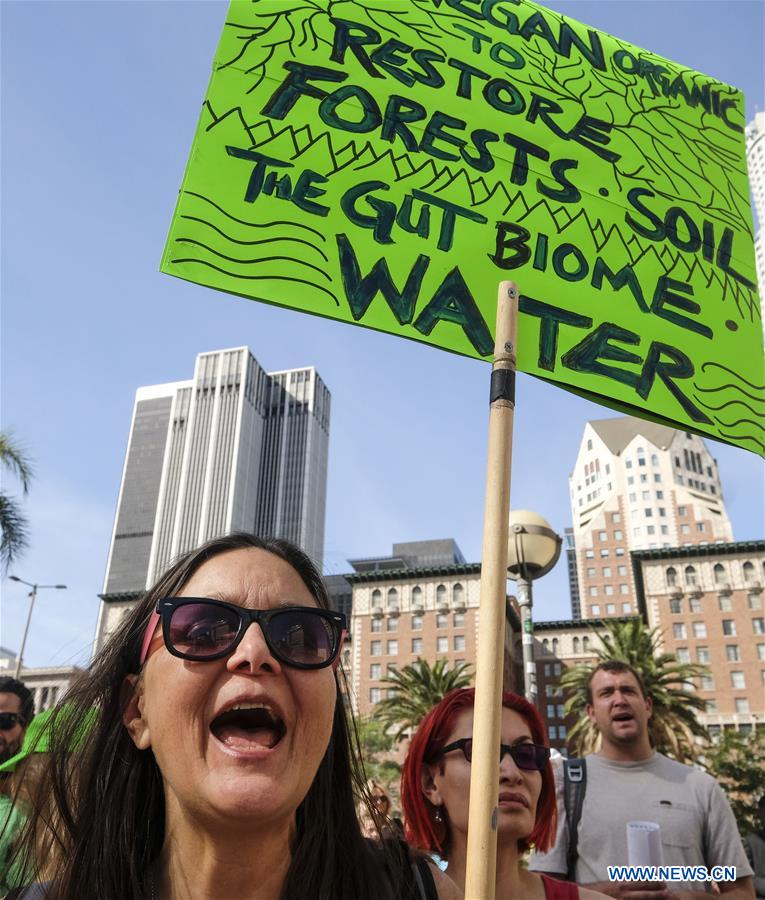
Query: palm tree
[418, 687]
[12, 522]
[668, 682]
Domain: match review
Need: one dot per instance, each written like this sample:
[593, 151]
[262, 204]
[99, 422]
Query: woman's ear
[428, 785]
[132, 712]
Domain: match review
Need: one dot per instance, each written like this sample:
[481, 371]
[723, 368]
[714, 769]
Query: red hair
[420, 827]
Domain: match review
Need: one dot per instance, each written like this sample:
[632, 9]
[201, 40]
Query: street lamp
[32, 596]
[533, 549]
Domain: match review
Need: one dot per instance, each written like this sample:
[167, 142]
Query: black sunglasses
[199, 629]
[8, 720]
[528, 756]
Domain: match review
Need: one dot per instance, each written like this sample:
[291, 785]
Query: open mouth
[248, 727]
[623, 717]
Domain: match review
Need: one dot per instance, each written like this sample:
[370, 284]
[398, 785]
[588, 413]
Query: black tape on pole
[502, 386]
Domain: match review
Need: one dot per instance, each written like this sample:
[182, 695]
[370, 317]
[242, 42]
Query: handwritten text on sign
[388, 164]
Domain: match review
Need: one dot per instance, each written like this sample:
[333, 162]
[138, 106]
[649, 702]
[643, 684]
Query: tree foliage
[737, 761]
[374, 742]
[13, 523]
[418, 688]
[669, 683]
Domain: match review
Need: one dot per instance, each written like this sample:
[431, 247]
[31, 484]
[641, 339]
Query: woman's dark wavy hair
[108, 795]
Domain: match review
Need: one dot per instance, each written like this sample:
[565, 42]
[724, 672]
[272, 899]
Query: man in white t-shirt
[628, 781]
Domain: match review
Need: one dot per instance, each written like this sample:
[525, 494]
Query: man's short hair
[614, 665]
[10, 685]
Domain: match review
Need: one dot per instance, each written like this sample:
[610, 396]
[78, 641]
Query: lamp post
[533, 549]
[32, 596]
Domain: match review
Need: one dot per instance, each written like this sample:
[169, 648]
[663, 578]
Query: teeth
[262, 706]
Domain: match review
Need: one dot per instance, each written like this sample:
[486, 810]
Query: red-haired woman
[435, 794]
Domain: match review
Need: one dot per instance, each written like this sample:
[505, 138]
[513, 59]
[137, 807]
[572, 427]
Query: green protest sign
[386, 164]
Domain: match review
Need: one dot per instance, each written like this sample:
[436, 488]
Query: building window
[618, 535]
[590, 554]
[643, 479]
[441, 594]
[761, 651]
[376, 597]
[755, 601]
[555, 646]
[664, 529]
[699, 629]
[458, 620]
[742, 705]
[606, 571]
[654, 459]
[595, 609]
[417, 623]
[593, 591]
[648, 513]
[375, 648]
[589, 445]
[545, 646]
[552, 732]
[626, 609]
[690, 575]
[671, 575]
[633, 498]
[659, 495]
[700, 526]
[392, 599]
[391, 669]
[442, 644]
[748, 570]
[375, 695]
[615, 517]
[375, 671]
[651, 529]
[585, 644]
[718, 572]
[392, 624]
[620, 551]
[550, 710]
[375, 625]
[621, 570]
[602, 535]
[416, 595]
[458, 594]
[630, 479]
[724, 603]
[576, 646]
[675, 605]
[695, 604]
[732, 653]
[392, 648]
[683, 654]
[662, 512]
[758, 626]
[678, 631]
[628, 464]
[707, 683]
[591, 572]
[610, 609]
[609, 590]
[624, 589]
[702, 654]
[442, 620]
[682, 511]
[711, 707]
[737, 680]
[603, 554]
[416, 645]
[729, 627]
[459, 641]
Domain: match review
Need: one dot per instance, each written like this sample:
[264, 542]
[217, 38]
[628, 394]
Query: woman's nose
[253, 654]
[508, 769]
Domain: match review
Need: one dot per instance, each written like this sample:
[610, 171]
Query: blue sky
[99, 105]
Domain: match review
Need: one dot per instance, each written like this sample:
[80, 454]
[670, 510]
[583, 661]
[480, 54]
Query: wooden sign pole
[480, 880]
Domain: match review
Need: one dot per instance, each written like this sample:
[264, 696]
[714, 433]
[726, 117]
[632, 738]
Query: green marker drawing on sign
[388, 166]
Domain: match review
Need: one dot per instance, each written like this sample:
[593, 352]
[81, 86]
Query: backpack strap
[574, 787]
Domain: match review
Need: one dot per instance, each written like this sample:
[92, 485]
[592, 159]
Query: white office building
[235, 448]
[755, 157]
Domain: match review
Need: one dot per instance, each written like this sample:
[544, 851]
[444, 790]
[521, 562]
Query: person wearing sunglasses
[435, 794]
[220, 765]
[16, 712]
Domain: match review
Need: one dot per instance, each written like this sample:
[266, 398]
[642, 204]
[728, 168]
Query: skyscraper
[637, 485]
[233, 449]
[755, 157]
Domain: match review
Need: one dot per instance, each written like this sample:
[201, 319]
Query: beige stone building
[404, 611]
[708, 603]
[637, 485]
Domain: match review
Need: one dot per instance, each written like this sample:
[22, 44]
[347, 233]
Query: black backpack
[574, 786]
